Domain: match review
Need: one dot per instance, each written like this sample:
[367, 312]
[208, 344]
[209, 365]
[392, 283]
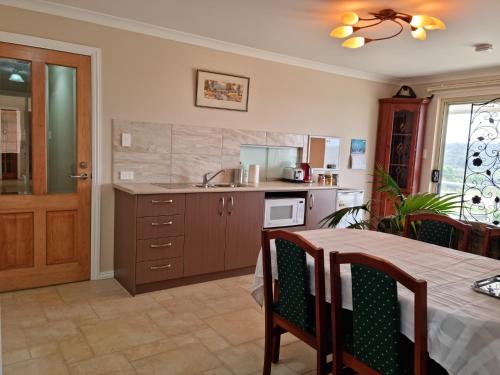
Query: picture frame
[221, 91]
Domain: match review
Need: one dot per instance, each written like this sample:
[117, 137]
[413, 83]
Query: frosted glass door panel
[61, 129]
[15, 119]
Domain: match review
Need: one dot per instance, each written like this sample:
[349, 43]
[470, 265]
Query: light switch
[126, 175]
[126, 140]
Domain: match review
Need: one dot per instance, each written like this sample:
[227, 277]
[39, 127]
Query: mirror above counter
[324, 153]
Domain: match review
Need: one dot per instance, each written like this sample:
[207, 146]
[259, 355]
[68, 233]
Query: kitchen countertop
[149, 188]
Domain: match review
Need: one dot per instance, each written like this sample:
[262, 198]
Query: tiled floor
[95, 327]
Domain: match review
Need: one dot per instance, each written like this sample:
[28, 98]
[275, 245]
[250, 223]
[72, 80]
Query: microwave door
[280, 214]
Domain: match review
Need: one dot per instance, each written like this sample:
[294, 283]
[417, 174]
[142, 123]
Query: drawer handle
[155, 268]
[153, 246]
[166, 223]
[167, 201]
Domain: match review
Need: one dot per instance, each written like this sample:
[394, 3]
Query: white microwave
[284, 212]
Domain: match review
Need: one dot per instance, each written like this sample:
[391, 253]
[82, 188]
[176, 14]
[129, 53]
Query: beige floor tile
[53, 365]
[146, 350]
[51, 332]
[44, 350]
[64, 310]
[106, 364]
[243, 359]
[286, 338]
[75, 349]
[116, 307]
[232, 302]
[298, 356]
[113, 335]
[188, 304]
[188, 360]
[26, 314]
[83, 291]
[238, 327]
[202, 291]
[211, 339]
[179, 324]
[13, 337]
[15, 356]
[37, 295]
[217, 371]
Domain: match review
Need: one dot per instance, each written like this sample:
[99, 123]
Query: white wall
[150, 79]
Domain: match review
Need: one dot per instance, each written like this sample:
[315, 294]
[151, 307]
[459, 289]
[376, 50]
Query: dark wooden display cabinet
[399, 147]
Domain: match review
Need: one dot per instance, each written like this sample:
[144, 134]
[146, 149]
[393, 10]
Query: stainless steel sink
[219, 185]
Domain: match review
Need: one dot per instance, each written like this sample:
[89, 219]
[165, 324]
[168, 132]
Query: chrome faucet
[206, 179]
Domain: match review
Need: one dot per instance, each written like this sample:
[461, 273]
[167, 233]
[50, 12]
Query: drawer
[160, 226]
[160, 248]
[158, 270]
[161, 204]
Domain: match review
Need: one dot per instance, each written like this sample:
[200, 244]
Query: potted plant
[403, 205]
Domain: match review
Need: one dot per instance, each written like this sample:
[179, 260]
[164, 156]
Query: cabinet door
[244, 224]
[320, 203]
[205, 233]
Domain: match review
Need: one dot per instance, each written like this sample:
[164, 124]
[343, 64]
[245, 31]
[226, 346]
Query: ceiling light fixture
[353, 22]
[16, 77]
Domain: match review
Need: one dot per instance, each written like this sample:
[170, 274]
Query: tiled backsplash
[271, 159]
[182, 153]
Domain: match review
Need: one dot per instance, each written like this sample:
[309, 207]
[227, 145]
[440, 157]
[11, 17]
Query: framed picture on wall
[221, 91]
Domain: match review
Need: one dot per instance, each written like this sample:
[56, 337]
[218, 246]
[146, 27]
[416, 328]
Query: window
[471, 159]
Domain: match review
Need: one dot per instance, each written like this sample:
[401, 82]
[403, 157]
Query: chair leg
[276, 345]
[321, 368]
[268, 349]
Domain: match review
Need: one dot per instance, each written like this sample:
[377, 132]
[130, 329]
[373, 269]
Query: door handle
[222, 203]
[231, 201]
[82, 176]
[311, 201]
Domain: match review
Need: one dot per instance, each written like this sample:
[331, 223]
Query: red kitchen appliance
[308, 176]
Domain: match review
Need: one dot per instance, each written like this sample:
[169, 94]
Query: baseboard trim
[106, 275]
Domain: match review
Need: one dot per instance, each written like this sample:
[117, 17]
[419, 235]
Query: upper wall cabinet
[324, 152]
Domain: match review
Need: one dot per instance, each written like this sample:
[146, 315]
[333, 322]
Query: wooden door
[243, 232]
[204, 233]
[320, 203]
[45, 213]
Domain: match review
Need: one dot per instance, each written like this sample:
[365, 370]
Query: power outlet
[126, 175]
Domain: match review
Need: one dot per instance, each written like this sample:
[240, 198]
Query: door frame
[95, 56]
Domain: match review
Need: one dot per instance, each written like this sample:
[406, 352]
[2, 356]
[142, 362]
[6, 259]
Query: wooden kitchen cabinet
[245, 215]
[205, 233]
[222, 231]
[320, 203]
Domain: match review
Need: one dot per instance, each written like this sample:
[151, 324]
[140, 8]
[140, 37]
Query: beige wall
[434, 126]
[150, 79]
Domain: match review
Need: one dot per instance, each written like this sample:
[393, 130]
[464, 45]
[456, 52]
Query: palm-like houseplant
[403, 205]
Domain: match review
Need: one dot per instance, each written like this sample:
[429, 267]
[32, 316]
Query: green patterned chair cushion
[376, 320]
[436, 233]
[294, 303]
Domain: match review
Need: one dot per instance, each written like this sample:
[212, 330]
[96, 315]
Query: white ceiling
[300, 28]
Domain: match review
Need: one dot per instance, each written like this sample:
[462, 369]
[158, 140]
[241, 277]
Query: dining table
[463, 325]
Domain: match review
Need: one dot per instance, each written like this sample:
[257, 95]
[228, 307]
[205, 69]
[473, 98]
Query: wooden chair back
[418, 287]
[489, 235]
[445, 223]
[270, 298]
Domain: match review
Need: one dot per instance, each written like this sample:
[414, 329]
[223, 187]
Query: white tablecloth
[463, 326]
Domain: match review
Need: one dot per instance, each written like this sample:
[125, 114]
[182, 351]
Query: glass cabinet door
[401, 147]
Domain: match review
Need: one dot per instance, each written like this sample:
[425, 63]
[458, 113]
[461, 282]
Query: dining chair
[489, 235]
[290, 307]
[438, 230]
[371, 342]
